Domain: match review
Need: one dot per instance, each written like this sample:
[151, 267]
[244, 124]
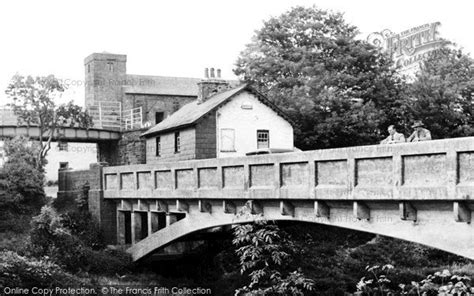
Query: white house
[222, 122]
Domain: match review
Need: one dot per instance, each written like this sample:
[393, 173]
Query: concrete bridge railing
[435, 170]
[423, 191]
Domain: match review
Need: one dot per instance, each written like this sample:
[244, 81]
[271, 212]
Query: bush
[59, 237]
[25, 272]
[21, 181]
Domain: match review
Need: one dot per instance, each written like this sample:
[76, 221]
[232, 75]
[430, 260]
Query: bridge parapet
[434, 170]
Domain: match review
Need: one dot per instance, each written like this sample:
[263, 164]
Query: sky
[180, 37]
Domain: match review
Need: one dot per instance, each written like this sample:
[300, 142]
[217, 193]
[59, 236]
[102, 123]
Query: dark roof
[190, 113]
[161, 85]
[164, 85]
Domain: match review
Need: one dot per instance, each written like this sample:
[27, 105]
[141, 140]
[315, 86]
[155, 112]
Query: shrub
[265, 252]
[21, 181]
[52, 237]
[26, 272]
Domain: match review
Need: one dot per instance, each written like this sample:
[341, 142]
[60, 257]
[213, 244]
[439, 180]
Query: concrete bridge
[420, 192]
[68, 134]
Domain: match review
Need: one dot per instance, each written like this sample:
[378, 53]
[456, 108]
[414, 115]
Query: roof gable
[190, 113]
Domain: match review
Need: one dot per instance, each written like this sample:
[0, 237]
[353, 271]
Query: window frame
[177, 142]
[158, 146]
[263, 132]
[232, 149]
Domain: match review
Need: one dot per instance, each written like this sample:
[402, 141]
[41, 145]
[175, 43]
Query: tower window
[158, 146]
[263, 139]
[159, 117]
[110, 66]
[177, 142]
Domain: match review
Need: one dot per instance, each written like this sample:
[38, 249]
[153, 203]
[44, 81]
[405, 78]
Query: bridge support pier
[287, 208]
[361, 211]
[407, 211]
[321, 209]
[229, 207]
[462, 213]
[204, 206]
[124, 234]
[107, 151]
[153, 223]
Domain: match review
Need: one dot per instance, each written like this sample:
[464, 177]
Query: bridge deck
[72, 134]
[434, 170]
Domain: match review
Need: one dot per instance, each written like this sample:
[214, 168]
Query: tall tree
[338, 90]
[21, 179]
[34, 104]
[442, 94]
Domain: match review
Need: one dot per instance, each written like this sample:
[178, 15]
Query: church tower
[105, 74]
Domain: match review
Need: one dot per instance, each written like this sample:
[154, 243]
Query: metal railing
[109, 115]
[132, 119]
[105, 115]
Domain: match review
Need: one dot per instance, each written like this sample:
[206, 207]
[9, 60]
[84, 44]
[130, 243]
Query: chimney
[211, 85]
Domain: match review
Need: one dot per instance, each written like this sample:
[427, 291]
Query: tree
[339, 91]
[265, 253]
[34, 104]
[442, 94]
[22, 179]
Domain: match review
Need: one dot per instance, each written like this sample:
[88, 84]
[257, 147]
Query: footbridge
[420, 192]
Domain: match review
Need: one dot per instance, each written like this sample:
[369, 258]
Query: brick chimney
[211, 84]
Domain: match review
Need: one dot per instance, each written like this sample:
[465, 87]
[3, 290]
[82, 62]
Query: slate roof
[164, 85]
[161, 85]
[190, 113]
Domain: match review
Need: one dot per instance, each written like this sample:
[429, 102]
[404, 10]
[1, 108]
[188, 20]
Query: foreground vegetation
[339, 91]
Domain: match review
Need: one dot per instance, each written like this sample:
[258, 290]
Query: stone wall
[132, 148]
[105, 74]
[167, 153]
[71, 185]
[155, 103]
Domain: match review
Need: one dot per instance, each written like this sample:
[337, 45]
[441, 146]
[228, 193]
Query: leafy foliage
[376, 283]
[27, 272]
[69, 239]
[442, 94]
[34, 104]
[339, 91]
[377, 280]
[21, 181]
[264, 254]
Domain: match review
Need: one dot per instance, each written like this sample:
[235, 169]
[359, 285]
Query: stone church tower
[105, 74]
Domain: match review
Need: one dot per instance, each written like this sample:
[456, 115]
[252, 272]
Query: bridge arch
[433, 229]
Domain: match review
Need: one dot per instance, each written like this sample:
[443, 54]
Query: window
[62, 146]
[159, 117]
[263, 139]
[227, 140]
[88, 68]
[110, 66]
[158, 146]
[177, 142]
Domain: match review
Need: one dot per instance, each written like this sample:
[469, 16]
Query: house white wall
[237, 115]
[79, 156]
